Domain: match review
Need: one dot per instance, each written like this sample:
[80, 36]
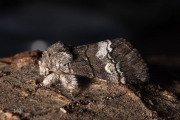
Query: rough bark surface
[22, 96]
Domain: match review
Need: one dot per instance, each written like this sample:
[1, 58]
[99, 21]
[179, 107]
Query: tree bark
[22, 95]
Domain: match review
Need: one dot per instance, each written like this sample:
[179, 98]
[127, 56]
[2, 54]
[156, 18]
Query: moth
[112, 60]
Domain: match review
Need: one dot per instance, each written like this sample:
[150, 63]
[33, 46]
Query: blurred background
[152, 26]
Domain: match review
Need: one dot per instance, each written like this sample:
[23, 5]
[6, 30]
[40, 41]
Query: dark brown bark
[22, 95]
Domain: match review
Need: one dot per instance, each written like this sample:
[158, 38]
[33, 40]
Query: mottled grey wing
[131, 62]
[114, 60]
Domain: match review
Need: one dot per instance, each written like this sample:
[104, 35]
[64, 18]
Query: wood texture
[23, 97]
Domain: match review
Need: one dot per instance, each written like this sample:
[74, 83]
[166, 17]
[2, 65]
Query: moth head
[54, 58]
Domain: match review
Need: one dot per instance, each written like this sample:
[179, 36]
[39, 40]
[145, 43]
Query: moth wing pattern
[114, 60]
[117, 55]
[131, 62]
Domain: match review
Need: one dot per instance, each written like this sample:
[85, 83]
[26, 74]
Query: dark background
[152, 26]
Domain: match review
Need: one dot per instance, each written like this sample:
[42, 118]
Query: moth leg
[42, 68]
[69, 81]
[50, 79]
